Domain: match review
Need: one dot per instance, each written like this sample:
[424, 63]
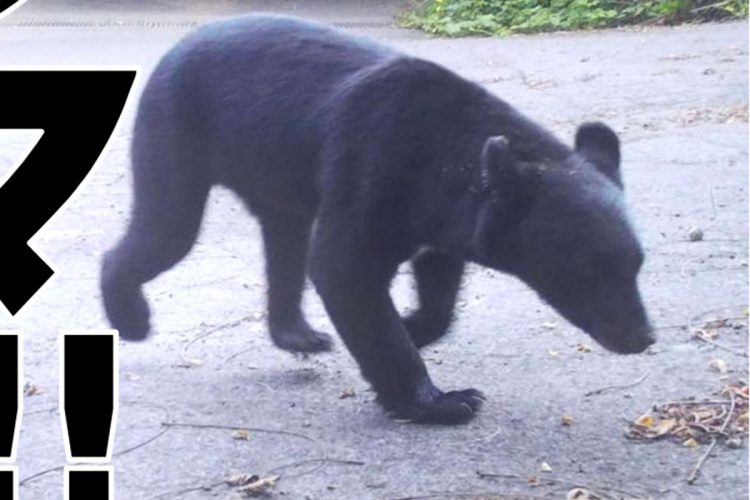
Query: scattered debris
[545, 467]
[690, 443]
[587, 77]
[347, 393]
[695, 234]
[241, 479]
[612, 387]
[567, 421]
[728, 115]
[679, 57]
[718, 365]
[583, 348]
[699, 421]
[582, 494]
[580, 490]
[535, 84]
[188, 362]
[549, 325]
[30, 389]
[535, 481]
[241, 435]
[708, 337]
[259, 487]
[554, 354]
[730, 414]
[646, 420]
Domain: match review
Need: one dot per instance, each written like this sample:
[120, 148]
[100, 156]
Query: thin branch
[624, 386]
[696, 470]
[151, 439]
[720, 346]
[321, 448]
[240, 427]
[599, 488]
[194, 362]
[451, 494]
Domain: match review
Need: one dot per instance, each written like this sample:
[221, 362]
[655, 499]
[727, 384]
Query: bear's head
[562, 228]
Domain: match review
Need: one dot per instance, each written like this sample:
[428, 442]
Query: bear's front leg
[353, 282]
[438, 275]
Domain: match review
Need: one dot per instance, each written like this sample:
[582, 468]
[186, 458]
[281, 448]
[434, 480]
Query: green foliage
[499, 17]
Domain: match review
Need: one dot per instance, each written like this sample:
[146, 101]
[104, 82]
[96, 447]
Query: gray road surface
[678, 97]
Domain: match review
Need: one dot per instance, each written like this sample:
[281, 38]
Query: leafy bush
[498, 17]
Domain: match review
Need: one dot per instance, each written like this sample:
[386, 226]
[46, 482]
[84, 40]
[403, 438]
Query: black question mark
[78, 111]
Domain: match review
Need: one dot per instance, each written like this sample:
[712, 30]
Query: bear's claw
[446, 408]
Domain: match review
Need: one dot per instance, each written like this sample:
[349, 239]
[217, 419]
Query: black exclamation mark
[88, 409]
[11, 404]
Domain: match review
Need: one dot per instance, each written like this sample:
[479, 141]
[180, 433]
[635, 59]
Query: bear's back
[249, 97]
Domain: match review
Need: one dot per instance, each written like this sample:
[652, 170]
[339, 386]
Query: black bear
[356, 158]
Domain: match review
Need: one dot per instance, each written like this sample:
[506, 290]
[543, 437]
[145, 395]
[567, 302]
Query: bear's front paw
[436, 407]
[300, 337]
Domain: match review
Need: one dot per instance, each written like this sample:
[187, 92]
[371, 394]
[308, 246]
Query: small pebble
[695, 234]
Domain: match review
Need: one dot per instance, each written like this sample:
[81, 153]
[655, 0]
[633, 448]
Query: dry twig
[194, 361]
[694, 473]
[599, 488]
[624, 386]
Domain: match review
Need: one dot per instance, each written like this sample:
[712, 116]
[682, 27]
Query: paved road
[679, 99]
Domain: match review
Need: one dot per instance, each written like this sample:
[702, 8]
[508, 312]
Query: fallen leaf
[664, 427]
[707, 334]
[347, 393]
[545, 467]
[191, 363]
[241, 435]
[241, 479]
[582, 494]
[690, 443]
[567, 420]
[718, 365]
[645, 420]
[260, 487]
[583, 348]
[30, 389]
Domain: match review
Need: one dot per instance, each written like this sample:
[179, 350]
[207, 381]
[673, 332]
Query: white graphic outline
[10, 9]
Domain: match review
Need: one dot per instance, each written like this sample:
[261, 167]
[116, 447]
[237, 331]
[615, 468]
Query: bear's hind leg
[165, 221]
[286, 242]
[438, 277]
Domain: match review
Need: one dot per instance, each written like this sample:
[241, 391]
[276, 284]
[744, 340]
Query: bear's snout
[633, 342]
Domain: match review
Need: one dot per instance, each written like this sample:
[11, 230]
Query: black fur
[394, 158]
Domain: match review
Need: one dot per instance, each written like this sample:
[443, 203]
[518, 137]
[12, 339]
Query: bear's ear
[599, 144]
[512, 189]
[496, 162]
